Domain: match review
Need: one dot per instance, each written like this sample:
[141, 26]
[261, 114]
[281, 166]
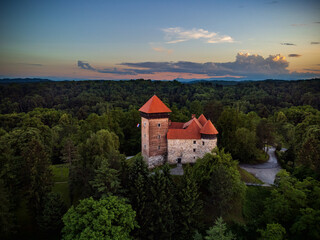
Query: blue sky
[160, 39]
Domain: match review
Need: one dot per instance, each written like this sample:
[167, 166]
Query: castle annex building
[173, 142]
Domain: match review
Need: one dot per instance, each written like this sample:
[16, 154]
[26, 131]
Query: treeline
[80, 98]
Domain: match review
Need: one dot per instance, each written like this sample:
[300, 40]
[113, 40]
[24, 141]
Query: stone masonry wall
[154, 140]
[184, 149]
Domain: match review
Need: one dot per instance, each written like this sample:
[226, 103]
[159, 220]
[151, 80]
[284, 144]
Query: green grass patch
[248, 177]
[60, 172]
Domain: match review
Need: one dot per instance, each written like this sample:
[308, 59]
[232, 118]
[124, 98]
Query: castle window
[144, 124]
[194, 142]
[144, 135]
[159, 136]
[194, 157]
[145, 146]
[159, 124]
[202, 143]
[194, 150]
[158, 147]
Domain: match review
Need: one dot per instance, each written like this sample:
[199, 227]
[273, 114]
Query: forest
[64, 171]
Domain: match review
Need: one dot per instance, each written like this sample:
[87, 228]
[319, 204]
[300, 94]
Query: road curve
[267, 171]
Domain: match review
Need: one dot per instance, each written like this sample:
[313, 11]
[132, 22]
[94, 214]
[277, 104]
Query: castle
[173, 142]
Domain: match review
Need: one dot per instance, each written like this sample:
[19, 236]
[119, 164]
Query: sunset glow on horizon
[160, 40]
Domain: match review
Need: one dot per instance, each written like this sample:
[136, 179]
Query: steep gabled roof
[202, 119]
[176, 125]
[154, 105]
[208, 128]
[191, 132]
[190, 121]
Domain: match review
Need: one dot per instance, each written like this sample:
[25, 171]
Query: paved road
[267, 171]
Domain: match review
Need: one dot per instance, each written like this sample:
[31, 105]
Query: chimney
[193, 116]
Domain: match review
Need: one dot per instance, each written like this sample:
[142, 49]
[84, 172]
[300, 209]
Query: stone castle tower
[154, 128]
[173, 142]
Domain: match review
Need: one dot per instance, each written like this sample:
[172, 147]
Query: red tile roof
[191, 132]
[190, 121]
[154, 105]
[176, 125]
[208, 128]
[202, 119]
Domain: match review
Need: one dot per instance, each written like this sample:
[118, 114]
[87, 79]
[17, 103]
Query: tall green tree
[53, 210]
[189, 207]
[106, 180]
[138, 190]
[162, 205]
[225, 184]
[107, 218]
[40, 174]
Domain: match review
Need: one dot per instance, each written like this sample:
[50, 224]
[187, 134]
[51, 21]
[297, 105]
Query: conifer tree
[106, 180]
[138, 188]
[162, 205]
[189, 208]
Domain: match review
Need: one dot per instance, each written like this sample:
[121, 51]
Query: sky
[160, 40]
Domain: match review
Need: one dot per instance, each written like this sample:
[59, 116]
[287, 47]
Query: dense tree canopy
[89, 127]
[107, 218]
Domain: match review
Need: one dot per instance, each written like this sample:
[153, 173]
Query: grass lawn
[248, 177]
[60, 172]
[60, 178]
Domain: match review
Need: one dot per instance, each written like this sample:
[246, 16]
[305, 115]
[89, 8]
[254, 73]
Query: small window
[159, 124]
[145, 146]
[194, 142]
[159, 136]
[158, 147]
[194, 150]
[144, 124]
[194, 157]
[144, 135]
[202, 143]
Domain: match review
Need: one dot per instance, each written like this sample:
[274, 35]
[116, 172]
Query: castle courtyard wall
[189, 151]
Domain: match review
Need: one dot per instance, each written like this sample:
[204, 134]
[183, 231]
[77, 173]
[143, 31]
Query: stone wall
[189, 149]
[154, 140]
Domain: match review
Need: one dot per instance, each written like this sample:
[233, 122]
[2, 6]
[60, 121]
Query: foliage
[107, 218]
[53, 210]
[217, 232]
[274, 231]
[295, 205]
[106, 180]
[225, 183]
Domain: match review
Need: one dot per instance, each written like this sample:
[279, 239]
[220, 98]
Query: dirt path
[267, 171]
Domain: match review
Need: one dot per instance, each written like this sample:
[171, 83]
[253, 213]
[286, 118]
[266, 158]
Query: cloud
[177, 34]
[31, 64]
[161, 49]
[272, 2]
[317, 22]
[245, 65]
[298, 24]
[294, 55]
[85, 65]
[310, 69]
[288, 44]
[315, 43]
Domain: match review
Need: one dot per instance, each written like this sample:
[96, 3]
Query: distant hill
[23, 80]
